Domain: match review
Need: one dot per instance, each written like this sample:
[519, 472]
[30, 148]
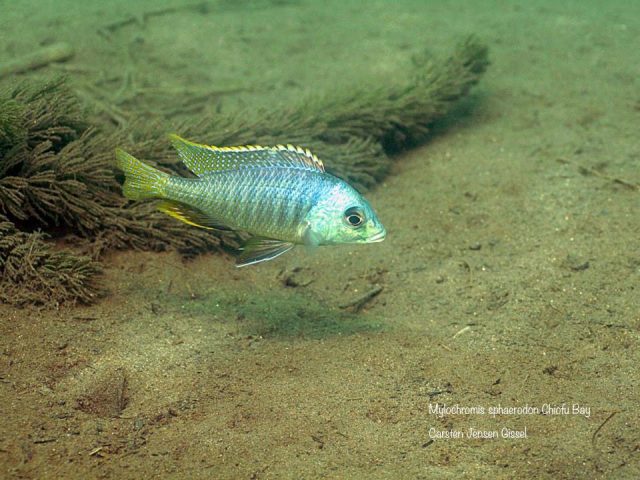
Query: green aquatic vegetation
[56, 173]
[56, 176]
[56, 169]
[356, 131]
[11, 121]
[31, 272]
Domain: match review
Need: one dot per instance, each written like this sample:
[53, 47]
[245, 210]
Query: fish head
[342, 215]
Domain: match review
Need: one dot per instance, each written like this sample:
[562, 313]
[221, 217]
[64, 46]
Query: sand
[508, 278]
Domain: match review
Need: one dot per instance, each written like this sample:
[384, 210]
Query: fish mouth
[378, 237]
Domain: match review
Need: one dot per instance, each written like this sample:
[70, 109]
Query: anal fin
[190, 215]
[261, 249]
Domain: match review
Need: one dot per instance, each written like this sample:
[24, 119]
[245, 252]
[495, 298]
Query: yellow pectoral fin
[190, 215]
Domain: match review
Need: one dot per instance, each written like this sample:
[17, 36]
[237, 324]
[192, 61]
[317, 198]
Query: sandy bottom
[508, 284]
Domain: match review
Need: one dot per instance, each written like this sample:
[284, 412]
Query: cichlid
[281, 195]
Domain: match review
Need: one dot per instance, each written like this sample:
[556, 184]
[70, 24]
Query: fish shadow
[278, 315]
[468, 111]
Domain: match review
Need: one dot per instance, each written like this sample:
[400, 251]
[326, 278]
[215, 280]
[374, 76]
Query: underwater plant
[355, 132]
[31, 272]
[57, 174]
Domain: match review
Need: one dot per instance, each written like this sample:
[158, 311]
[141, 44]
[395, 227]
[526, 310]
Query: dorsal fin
[203, 159]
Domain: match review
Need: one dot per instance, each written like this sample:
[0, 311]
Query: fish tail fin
[141, 180]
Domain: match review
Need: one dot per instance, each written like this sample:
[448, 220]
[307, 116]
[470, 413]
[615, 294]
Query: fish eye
[354, 216]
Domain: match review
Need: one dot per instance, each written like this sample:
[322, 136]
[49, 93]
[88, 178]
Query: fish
[280, 195]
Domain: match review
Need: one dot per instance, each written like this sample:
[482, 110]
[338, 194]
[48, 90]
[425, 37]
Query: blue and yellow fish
[281, 195]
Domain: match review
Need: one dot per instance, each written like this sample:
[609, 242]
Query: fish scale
[269, 201]
[281, 195]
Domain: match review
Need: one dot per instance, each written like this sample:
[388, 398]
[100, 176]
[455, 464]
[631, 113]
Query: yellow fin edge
[175, 138]
[179, 212]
